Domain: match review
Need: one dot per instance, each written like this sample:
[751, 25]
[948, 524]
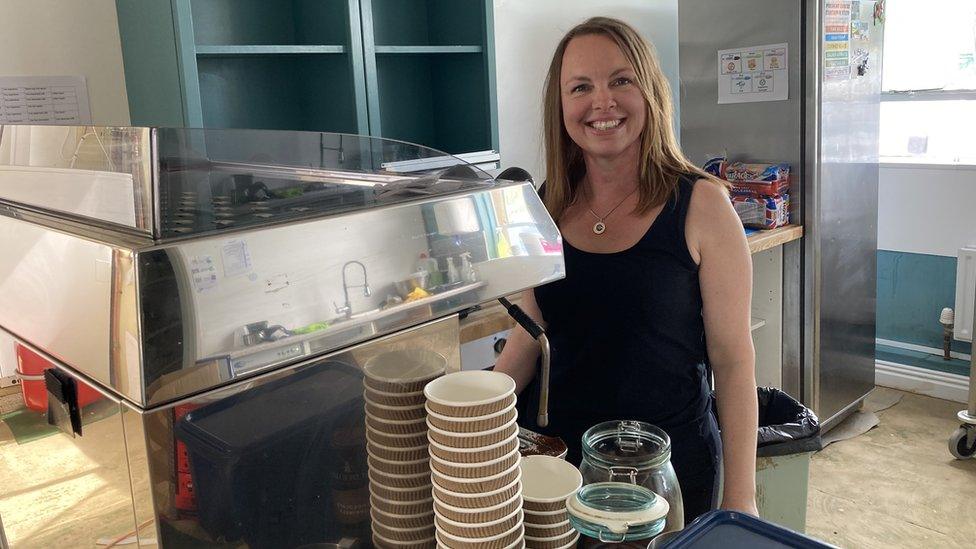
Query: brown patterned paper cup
[397, 427]
[399, 507]
[476, 485]
[393, 399]
[416, 481]
[391, 467]
[405, 522]
[397, 441]
[545, 517]
[498, 541]
[479, 514]
[470, 440]
[383, 543]
[472, 455]
[403, 371]
[409, 493]
[470, 393]
[548, 530]
[401, 534]
[478, 530]
[479, 499]
[472, 424]
[396, 413]
[568, 540]
[396, 454]
[481, 469]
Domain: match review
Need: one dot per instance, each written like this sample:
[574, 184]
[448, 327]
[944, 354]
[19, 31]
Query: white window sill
[924, 164]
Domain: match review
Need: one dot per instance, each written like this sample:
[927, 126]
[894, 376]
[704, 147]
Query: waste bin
[789, 434]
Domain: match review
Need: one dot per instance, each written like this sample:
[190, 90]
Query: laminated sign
[753, 73]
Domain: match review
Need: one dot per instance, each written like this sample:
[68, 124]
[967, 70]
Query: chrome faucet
[346, 309]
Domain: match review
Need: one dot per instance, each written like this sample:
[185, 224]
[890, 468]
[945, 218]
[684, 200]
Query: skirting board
[924, 382]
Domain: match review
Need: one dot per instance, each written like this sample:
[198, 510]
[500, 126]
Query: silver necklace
[601, 226]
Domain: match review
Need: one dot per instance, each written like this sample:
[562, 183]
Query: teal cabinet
[415, 70]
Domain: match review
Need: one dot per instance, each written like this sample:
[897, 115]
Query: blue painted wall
[912, 290]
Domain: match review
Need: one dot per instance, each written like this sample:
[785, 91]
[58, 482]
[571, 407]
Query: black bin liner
[785, 426]
[264, 461]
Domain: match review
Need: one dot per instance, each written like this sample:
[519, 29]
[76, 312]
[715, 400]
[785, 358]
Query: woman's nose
[603, 99]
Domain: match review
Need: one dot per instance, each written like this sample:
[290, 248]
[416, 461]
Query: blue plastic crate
[729, 530]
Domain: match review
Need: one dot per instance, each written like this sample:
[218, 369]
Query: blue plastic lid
[729, 530]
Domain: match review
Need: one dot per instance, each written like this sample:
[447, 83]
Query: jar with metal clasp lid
[633, 452]
[617, 514]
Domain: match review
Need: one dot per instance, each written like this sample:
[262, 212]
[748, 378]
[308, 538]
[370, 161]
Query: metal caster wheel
[962, 443]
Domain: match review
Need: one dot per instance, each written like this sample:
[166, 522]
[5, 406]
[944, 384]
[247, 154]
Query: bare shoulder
[711, 218]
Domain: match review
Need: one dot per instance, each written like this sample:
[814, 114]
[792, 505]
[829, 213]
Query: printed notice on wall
[57, 100]
[236, 258]
[204, 273]
[754, 73]
[837, 40]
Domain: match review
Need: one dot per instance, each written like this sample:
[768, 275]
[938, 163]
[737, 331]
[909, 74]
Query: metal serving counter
[247, 276]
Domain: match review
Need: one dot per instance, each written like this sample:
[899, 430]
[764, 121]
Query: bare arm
[519, 356]
[715, 233]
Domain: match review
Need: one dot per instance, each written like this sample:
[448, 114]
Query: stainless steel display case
[252, 273]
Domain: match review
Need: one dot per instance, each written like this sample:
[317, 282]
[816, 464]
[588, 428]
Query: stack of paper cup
[546, 483]
[474, 460]
[396, 444]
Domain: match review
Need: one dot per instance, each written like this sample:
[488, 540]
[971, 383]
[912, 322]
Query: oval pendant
[599, 227]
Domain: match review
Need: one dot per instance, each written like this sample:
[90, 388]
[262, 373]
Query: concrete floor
[896, 485]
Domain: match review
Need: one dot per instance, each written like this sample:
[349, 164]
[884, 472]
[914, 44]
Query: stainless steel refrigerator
[827, 129]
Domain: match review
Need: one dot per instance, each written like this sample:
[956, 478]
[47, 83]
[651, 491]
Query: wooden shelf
[428, 49]
[230, 51]
[765, 240]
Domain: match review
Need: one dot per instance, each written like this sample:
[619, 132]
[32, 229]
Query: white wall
[67, 37]
[526, 33]
[926, 209]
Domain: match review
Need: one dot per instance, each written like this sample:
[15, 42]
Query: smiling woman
[658, 274]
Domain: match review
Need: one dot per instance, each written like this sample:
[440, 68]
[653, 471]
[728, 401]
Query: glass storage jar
[634, 452]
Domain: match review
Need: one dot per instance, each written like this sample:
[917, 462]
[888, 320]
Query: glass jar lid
[627, 443]
[617, 511]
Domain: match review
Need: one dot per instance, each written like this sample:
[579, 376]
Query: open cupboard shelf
[264, 23]
[294, 92]
[416, 70]
[434, 99]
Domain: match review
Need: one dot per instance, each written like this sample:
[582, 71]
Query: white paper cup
[382, 543]
[545, 517]
[558, 542]
[472, 455]
[497, 541]
[396, 413]
[394, 467]
[479, 499]
[410, 440]
[478, 514]
[397, 427]
[471, 440]
[481, 469]
[482, 530]
[393, 399]
[470, 393]
[472, 424]
[547, 482]
[476, 485]
[403, 371]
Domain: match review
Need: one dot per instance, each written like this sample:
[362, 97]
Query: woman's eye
[579, 88]
[622, 81]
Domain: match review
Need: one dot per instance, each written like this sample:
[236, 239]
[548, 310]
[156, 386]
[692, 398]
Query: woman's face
[603, 110]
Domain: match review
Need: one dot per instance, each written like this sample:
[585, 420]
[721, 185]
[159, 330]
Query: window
[928, 109]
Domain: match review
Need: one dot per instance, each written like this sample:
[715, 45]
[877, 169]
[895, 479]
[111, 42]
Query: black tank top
[627, 335]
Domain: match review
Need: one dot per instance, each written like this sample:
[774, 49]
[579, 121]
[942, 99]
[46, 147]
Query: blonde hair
[662, 162]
